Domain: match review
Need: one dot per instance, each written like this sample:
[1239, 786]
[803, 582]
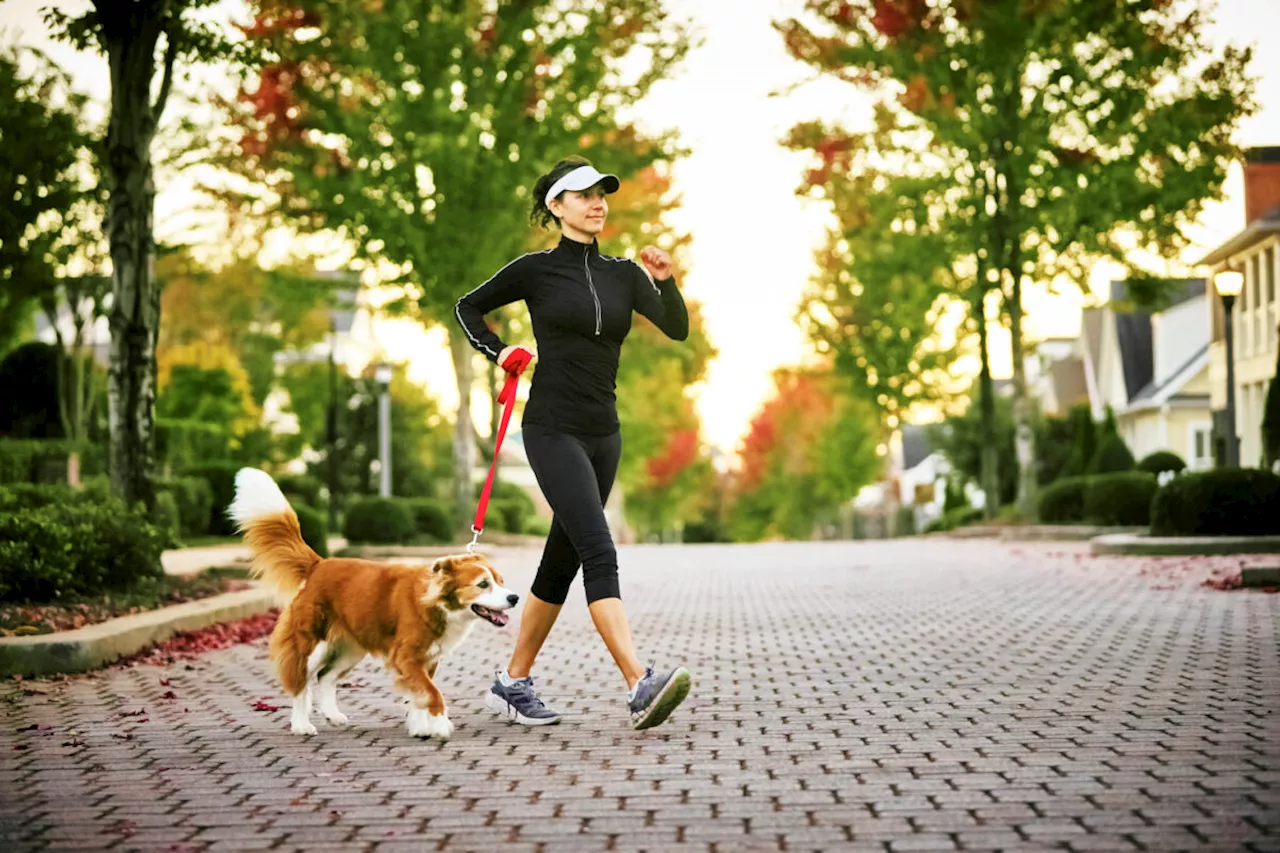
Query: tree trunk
[1023, 435]
[989, 456]
[135, 309]
[464, 440]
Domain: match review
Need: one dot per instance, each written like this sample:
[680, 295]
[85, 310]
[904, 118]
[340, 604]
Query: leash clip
[471, 546]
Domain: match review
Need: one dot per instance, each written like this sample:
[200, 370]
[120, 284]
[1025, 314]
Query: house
[1152, 371]
[1254, 251]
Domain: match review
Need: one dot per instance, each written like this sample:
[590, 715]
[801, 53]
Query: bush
[1160, 461]
[696, 531]
[1062, 502]
[183, 444]
[301, 488]
[951, 519]
[1122, 499]
[430, 518]
[378, 520]
[194, 499]
[38, 461]
[1111, 457]
[1224, 502]
[315, 528]
[165, 516]
[509, 515]
[904, 521]
[83, 548]
[221, 477]
[29, 406]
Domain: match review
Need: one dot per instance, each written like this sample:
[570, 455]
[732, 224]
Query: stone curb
[1128, 544]
[1037, 532]
[95, 645]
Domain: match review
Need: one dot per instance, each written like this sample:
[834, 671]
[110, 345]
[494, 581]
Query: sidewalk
[192, 561]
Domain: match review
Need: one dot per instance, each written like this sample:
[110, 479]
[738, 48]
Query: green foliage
[1121, 499]
[1111, 456]
[1055, 444]
[165, 516]
[1222, 502]
[315, 528]
[193, 499]
[431, 518]
[79, 548]
[960, 439]
[181, 443]
[29, 393]
[954, 518]
[221, 477]
[509, 507]
[1062, 502]
[380, 521]
[39, 461]
[301, 488]
[1084, 441]
[1160, 461]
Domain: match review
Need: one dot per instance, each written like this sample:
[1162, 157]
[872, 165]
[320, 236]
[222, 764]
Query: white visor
[582, 178]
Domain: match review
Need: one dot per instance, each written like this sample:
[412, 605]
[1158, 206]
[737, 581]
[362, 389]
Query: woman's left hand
[657, 262]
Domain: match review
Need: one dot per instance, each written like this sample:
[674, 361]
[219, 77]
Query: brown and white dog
[339, 610]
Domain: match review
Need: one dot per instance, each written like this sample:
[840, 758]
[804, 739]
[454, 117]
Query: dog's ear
[444, 565]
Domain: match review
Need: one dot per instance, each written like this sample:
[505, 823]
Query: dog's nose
[512, 599]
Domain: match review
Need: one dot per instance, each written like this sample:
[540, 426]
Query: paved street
[919, 695]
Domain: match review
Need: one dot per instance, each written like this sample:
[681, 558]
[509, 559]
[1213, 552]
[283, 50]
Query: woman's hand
[657, 262]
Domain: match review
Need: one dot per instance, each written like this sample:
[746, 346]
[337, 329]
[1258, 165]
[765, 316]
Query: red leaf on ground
[164, 682]
[36, 727]
[20, 746]
[263, 706]
[189, 645]
[168, 694]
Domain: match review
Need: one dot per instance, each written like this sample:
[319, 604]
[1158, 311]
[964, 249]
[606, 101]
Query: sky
[753, 238]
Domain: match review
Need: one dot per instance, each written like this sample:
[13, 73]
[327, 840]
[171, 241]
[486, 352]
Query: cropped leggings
[575, 474]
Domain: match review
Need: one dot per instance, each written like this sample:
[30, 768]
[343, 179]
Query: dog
[337, 611]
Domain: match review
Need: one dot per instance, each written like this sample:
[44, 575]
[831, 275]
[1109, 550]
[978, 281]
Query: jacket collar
[578, 250]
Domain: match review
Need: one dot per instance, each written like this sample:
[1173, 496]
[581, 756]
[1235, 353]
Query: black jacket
[580, 302]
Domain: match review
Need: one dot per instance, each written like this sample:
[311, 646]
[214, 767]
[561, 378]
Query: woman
[580, 302]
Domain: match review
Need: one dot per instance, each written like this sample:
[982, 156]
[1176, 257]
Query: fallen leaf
[263, 706]
[169, 694]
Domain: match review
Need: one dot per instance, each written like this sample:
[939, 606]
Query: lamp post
[1229, 283]
[342, 315]
[382, 373]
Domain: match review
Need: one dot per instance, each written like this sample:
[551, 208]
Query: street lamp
[382, 374]
[342, 316]
[1229, 283]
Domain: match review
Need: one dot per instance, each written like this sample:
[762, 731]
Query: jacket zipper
[591, 284]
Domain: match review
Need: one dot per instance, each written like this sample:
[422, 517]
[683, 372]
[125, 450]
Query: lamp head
[1228, 282]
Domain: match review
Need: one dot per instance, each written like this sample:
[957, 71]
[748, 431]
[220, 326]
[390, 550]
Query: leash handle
[507, 396]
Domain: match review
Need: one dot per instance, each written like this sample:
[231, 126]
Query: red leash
[514, 365]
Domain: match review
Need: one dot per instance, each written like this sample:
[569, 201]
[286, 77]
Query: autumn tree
[139, 38]
[414, 130]
[1086, 130]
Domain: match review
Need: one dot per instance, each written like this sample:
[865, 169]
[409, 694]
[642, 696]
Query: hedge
[1062, 502]
[183, 444]
[1120, 500]
[1111, 456]
[301, 488]
[193, 497]
[1160, 461]
[1222, 502]
[430, 518]
[68, 549]
[45, 461]
[382, 521]
[315, 528]
[221, 477]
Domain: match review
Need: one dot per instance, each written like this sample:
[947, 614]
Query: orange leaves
[916, 95]
[890, 19]
[783, 431]
[680, 452]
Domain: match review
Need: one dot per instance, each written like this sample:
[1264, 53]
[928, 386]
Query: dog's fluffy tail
[270, 526]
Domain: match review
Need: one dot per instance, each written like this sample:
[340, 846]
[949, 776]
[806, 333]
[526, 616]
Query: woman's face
[583, 212]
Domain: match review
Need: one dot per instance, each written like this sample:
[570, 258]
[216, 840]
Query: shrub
[315, 528]
[1223, 502]
[430, 518]
[29, 406]
[378, 520]
[183, 444]
[1062, 502]
[904, 521]
[45, 461]
[165, 516]
[697, 531]
[194, 499]
[84, 548]
[221, 477]
[1122, 499]
[301, 488]
[1160, 461]
[509, 515]
[952, 518]
[1111, 457]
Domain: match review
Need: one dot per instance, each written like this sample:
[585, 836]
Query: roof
[1256, 231]
[1157, 395]
[915, 446]
[1133, 335]
[1069, 384]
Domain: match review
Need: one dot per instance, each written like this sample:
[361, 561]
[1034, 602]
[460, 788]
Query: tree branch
[170, 56]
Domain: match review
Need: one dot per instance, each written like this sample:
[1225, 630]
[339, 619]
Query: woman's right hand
[515, 359]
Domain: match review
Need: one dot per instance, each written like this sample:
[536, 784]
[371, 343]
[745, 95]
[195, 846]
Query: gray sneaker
[657, 695]
[519, 703]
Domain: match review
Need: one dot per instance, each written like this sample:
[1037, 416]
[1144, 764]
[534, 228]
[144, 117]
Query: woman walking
[580, 302]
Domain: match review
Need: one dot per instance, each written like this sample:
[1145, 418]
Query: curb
[1037, 532]
[1128, 544]
[95, 645]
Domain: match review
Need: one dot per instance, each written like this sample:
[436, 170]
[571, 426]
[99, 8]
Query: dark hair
[540, 214]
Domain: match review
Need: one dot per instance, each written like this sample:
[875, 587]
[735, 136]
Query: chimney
[1261, 181]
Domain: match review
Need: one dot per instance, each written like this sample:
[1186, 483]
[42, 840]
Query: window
[1201, 446]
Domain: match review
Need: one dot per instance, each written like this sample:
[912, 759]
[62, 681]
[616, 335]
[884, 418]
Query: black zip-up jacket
[580, 302]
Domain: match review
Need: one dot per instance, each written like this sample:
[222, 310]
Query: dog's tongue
[499, 617]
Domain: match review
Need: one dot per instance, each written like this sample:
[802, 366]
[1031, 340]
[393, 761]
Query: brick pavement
[919, 695]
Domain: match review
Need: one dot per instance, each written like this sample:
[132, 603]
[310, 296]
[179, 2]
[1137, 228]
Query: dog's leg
[340, 658]
[292, 645]
[427, 714]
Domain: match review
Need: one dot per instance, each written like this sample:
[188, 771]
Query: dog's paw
[423, 724]
[336, 718]
[302, 727]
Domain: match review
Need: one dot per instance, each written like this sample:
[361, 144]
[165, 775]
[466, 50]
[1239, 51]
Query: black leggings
[575, 474]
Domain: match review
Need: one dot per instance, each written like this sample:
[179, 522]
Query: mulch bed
[25, 619]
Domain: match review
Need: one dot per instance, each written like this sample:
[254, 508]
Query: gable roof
[1157, 395]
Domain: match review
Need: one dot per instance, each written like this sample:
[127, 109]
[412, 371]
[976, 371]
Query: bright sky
[753, 238]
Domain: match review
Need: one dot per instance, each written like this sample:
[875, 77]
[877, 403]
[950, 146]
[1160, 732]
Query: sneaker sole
[498, 705]
[667, 701]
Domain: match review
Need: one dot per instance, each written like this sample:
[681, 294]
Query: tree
[129, 33]
[1086, 129]
[413, 130]
[808, 450]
